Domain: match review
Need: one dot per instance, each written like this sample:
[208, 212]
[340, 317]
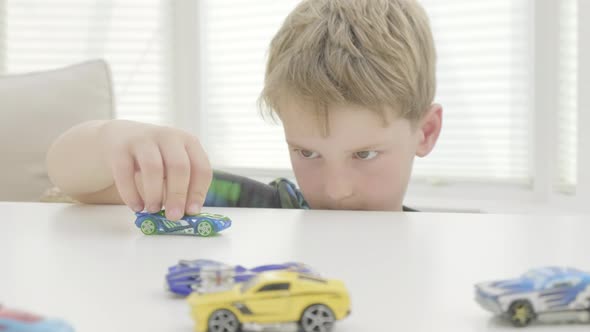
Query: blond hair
[377, 54]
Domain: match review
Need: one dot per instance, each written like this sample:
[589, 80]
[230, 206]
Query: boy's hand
[155, 166]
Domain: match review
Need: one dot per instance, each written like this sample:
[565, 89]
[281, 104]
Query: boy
[352, 82]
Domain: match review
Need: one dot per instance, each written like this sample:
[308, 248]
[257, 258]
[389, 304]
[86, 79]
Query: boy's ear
[428, 130]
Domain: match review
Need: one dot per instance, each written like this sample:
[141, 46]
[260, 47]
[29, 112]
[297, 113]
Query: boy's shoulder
[290, 197]
[230, 190]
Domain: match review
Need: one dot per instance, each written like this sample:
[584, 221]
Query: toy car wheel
[223, 321]
[317, 318]
[521, 313]
[148, 226]
[204, 228]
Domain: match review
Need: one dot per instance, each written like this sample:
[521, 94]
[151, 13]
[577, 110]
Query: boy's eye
[366, 155]
[308, 154]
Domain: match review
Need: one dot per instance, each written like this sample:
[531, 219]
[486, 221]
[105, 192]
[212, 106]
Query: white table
[405, 271]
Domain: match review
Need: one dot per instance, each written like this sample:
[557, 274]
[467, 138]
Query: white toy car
[549, 294]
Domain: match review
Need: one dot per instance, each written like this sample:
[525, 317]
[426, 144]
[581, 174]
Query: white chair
[35, 108]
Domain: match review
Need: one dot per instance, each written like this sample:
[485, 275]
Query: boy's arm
[144, 166]
[76, 165]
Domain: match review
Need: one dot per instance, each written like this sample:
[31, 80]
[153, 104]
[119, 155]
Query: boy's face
[362, 164]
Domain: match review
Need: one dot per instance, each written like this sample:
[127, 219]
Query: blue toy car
[189, 276]
[548, 294]
[17, 321]
[202, 224]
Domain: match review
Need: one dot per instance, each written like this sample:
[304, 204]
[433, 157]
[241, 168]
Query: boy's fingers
[152, 175]
[200, 178]
[177, 167]
[124, 176]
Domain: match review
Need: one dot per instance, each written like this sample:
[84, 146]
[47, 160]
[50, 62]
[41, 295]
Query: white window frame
[539, 197]
[583, 192]
[2, 37]
[187, 61]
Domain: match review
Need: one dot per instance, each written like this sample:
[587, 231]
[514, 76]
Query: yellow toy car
[270, 299]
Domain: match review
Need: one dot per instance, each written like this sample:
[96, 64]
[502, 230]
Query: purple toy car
[205, 275]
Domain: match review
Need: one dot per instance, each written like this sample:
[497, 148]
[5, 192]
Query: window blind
[132, 35]
[483, 84]
[234, 43]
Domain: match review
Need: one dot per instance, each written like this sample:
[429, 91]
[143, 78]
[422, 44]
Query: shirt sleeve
[229, 190]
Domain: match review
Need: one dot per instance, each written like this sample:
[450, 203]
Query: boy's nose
[338, 186]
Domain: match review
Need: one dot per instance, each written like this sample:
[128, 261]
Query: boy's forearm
[75, 160]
